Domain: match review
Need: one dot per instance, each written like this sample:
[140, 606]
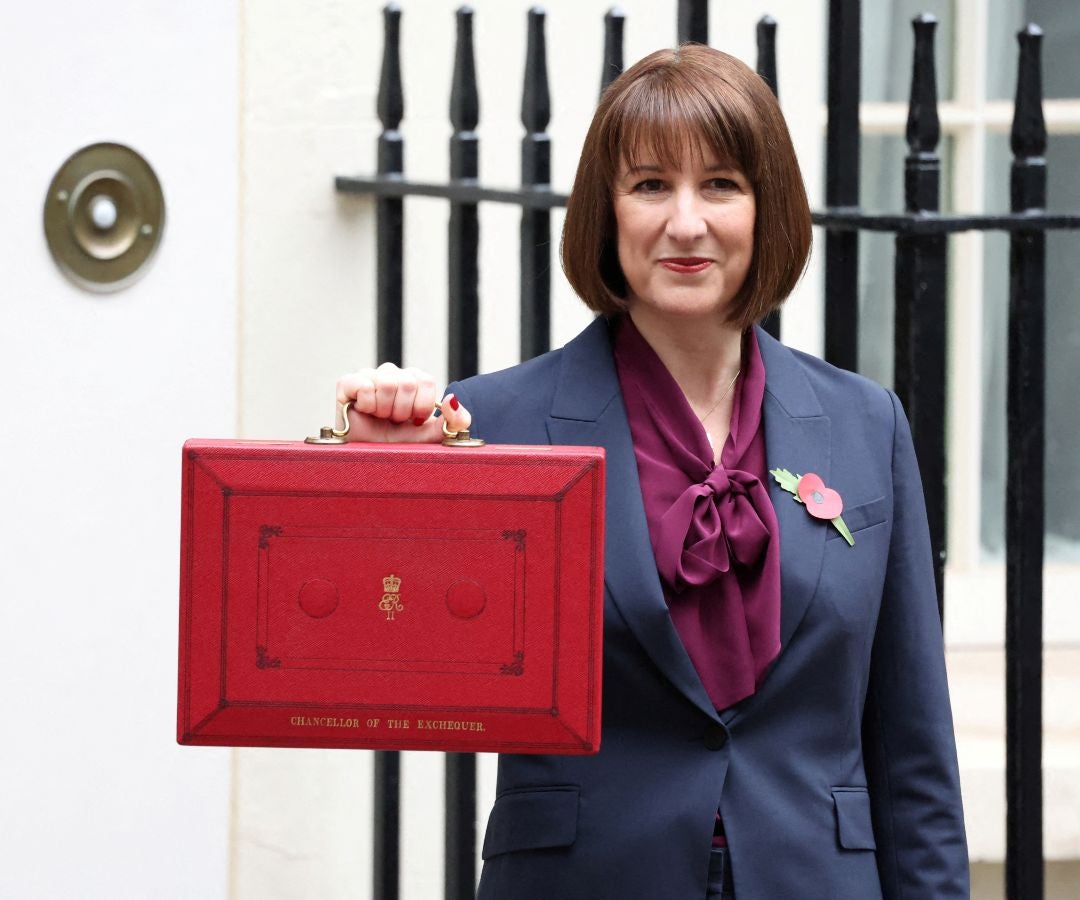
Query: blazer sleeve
[908, 739]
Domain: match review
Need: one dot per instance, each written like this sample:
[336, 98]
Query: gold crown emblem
[391, 584]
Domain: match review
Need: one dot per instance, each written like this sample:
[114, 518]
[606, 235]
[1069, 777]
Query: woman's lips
[686, 265]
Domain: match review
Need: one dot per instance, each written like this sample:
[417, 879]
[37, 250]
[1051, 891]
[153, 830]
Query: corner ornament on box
[820, 501]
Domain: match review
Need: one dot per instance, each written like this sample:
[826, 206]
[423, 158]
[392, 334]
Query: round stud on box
[466, 599]
[318, 598]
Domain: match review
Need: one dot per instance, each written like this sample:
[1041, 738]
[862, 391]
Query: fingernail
[454, 403]
[419, 420]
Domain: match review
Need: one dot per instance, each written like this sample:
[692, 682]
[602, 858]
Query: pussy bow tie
[712, 525]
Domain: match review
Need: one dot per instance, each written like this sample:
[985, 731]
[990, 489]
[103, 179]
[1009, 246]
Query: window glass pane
[882, 190]
[1060, 22]
[1062, 353]
[888, 43]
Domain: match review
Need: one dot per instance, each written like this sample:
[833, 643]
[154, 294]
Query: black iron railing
[842, 141]
[921, 334]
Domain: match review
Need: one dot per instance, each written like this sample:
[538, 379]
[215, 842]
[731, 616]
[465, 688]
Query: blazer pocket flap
[854, 826]
[531, 819]
[865, 515]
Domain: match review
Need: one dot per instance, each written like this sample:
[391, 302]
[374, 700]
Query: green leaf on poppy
[786, 480]
[843, 529]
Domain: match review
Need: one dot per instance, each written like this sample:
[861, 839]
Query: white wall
[96, 799]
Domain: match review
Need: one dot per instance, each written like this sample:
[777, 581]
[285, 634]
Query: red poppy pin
[820, 501]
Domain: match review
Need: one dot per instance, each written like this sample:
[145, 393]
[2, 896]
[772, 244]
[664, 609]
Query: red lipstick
[686, 265]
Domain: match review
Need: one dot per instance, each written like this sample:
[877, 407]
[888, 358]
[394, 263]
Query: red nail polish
[419, 420]
[454, 403]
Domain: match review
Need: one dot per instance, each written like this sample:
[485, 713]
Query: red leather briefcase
[391, 596]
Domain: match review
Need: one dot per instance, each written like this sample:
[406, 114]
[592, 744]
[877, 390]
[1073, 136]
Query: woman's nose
[686, 221]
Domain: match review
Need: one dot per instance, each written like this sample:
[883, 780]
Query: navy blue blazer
[838, 778]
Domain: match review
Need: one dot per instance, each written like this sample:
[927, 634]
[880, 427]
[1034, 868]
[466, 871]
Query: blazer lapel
[587, 410]
[797, 438]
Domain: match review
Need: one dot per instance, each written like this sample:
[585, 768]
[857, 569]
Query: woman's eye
[649, 186]
[723, 184]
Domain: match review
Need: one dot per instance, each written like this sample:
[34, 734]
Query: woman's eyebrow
[643, 167]
[652, 167]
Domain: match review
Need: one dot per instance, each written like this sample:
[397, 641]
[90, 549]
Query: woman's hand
[396, 405]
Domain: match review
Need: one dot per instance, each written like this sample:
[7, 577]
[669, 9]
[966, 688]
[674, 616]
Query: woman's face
[685, 234]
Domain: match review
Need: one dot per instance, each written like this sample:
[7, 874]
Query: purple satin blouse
[713, 527]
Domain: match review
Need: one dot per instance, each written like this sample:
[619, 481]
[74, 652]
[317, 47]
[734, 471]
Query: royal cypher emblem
[391, 598]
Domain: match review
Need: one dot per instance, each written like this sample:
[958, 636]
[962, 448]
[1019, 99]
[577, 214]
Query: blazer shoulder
[509, 395]
[843, 393]
[572, 380]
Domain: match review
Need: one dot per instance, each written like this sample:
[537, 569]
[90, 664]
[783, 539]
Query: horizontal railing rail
[836, 219]
[458, 192]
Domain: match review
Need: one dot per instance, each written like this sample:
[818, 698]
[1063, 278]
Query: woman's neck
[702, 356]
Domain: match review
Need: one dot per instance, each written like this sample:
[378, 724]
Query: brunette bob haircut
[670, 103]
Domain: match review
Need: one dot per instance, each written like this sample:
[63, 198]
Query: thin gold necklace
[723, 397]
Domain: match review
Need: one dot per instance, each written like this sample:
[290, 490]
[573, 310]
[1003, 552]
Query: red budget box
[391, 596]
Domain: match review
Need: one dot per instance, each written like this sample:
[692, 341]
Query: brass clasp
[330, 435]
[460, 438]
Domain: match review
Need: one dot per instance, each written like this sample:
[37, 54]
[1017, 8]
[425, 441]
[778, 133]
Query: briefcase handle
[328, 434]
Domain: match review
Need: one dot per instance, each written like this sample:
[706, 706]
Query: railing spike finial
[1028, 138]
[766, 53]
[391, 100]
[464, 95]
[614, 22]
[693, 23]
[536, 98]
[923, 125]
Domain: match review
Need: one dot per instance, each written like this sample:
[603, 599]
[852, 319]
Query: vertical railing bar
[693, 22]
[766, 53]
[614, 22]
[387, 844]
[463, 361]
[766, 68]
[464, 229]
[1024, 492]
[536, 174]
[389, 211]
[389, 242]
[460, 879]
[842, 184]
[921, 338]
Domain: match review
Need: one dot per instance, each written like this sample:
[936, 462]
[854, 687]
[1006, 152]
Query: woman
[776, 715]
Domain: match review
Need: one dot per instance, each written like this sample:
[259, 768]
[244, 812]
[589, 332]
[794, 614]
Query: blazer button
[715, 736]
